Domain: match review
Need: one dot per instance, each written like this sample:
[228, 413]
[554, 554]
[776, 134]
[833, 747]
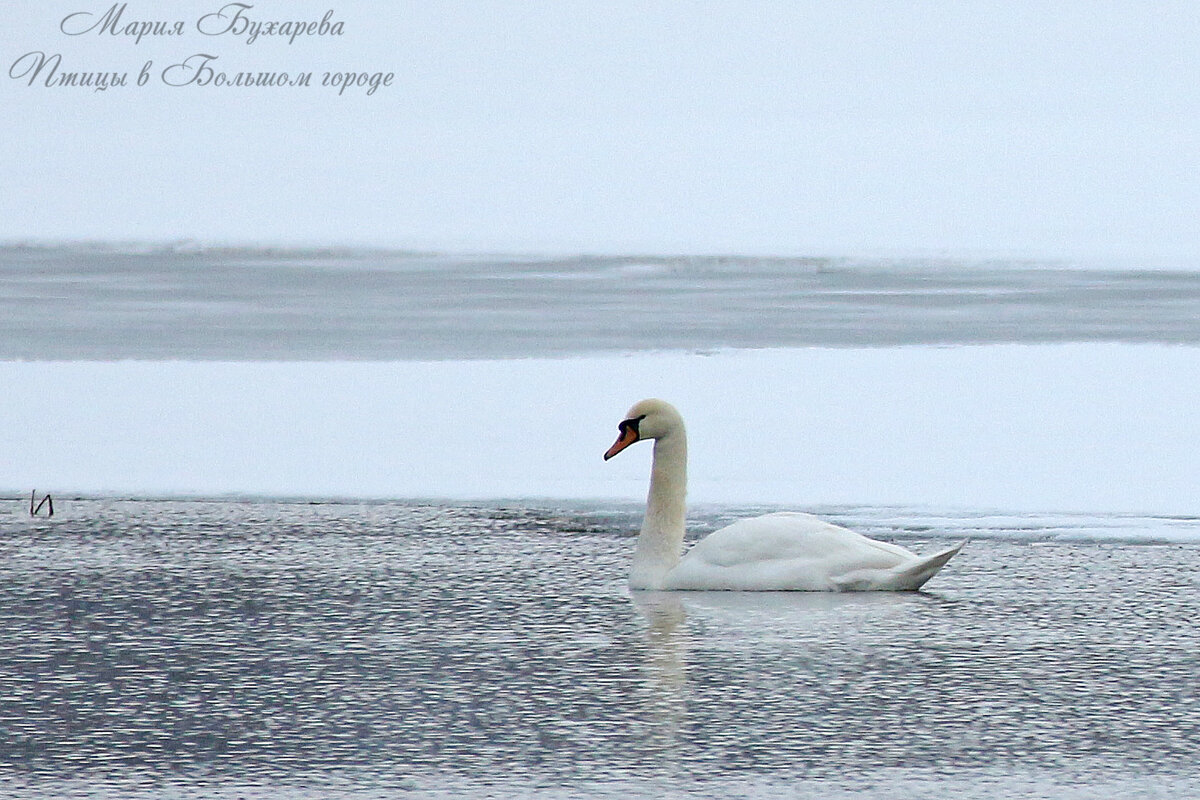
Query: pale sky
[1060, 130]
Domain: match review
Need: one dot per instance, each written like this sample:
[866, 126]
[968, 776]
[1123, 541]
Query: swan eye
[631, 423]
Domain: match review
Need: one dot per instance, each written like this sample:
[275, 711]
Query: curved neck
[660, 543]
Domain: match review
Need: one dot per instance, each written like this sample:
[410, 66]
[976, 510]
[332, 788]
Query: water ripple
[233, 648]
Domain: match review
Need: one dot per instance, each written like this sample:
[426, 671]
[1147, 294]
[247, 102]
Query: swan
[785, 551]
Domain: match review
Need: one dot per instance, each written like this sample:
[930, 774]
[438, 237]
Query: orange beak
[628, 436]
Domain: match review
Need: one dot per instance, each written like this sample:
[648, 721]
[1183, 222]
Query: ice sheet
[1079, 427]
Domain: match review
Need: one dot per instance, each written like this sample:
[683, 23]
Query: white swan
[784, 551]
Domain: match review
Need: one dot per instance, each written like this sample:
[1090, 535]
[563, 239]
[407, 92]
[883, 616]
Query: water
[302, 650]
[297, 650]
[103, 303]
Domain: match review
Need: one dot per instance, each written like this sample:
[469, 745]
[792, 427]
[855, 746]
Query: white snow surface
[1078, 427]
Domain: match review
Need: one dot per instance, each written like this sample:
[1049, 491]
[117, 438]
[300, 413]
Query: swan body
[785, 551]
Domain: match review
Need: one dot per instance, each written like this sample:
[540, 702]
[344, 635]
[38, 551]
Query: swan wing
[903, 578]
[798, 552]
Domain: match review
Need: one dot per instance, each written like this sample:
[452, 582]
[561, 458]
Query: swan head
[648, 419]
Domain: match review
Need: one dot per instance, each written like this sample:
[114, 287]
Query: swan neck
[660, 543]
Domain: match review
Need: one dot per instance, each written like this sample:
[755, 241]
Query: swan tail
[914, 575]
[906, 578]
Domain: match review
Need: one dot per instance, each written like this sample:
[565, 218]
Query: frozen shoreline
[1079, 427]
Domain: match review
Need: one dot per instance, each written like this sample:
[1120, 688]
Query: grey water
[272, 649]
[293, 649]
[74, 302]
